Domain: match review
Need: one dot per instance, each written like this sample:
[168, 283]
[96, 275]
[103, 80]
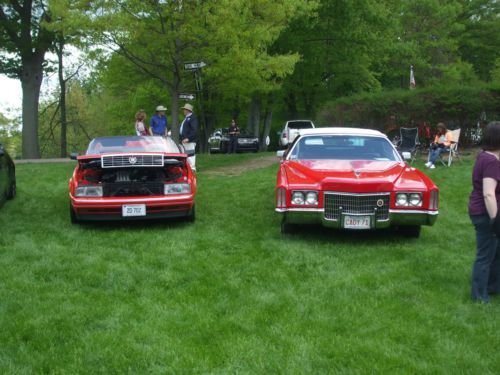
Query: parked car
[132, 177]
[352, 179]
[7, 176]
[292, 129]
[219, 141]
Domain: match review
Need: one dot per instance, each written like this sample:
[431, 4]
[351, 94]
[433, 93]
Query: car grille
[131, 160]
[349, 203]
[132, 189]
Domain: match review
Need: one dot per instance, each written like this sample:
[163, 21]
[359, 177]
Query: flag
[412, 78]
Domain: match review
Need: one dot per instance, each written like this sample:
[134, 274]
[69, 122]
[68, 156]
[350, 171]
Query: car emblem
[357, 172]
[132, 160]
[380, 203]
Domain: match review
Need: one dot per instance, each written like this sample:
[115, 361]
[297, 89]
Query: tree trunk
[62, 98]
[31, 80]
[174, 127]
[267, 128]
[254, 117]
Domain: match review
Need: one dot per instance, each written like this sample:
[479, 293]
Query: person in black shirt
[234, 131]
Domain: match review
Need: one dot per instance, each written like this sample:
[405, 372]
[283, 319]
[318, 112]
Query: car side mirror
[73, 155]
[189, 152]
[406, 155]
[280, 154]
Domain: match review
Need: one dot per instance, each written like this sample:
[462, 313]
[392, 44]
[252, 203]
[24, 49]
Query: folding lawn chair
[453, 153]
[409, 142]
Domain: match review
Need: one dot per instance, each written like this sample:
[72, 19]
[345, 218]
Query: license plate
[134, 210]
[357, 222]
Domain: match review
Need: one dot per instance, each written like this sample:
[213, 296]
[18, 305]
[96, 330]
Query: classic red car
[132, 178]
[352, 179]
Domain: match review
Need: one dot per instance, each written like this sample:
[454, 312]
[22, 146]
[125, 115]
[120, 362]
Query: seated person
[441, 144]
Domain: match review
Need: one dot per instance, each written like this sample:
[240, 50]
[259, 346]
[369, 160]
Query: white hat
[188, 106]
[160, 108]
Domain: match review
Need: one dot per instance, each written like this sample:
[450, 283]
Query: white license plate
[134, 210]
[357, 222]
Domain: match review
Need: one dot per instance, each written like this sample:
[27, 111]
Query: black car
[7, 176]
[219, 141]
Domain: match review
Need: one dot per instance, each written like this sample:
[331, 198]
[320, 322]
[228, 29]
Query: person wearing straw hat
[188, 133]
[158, 123]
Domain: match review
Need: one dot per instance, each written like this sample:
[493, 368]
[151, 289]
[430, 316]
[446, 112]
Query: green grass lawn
[230, 294]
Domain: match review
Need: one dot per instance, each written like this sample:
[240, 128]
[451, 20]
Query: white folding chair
[453, 153]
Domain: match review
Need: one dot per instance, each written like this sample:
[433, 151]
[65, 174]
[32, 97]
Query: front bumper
[157, 207]
[397, 217]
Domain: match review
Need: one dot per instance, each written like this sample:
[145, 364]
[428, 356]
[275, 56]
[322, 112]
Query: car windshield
[131, 144]
[245, 133]
[300, 125]
[343, 147]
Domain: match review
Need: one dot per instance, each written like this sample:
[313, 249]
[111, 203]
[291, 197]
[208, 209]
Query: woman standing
[483, 208]
[441, 144]
[140, 123]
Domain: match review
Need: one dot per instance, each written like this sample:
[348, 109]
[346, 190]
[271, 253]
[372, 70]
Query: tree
[24, 40]
[158, 38]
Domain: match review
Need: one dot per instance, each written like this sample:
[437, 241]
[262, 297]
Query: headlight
[312, 197]
[401, 199]
[177, 189]
[89, 191]
[416, 199]
[305, 197]
[298, 197]
[409, 199]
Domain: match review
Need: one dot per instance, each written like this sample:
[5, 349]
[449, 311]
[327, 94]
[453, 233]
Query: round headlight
[401, 199]
[298, 197]
[416, 199]
[312, 197]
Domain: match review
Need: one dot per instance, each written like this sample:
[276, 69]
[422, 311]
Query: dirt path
[238, 169]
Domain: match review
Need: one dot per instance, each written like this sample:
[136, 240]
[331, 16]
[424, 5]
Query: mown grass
[230, 294]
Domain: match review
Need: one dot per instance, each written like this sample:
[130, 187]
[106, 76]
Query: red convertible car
[352, 179]
[132, 178]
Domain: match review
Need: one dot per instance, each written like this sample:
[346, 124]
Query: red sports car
[352, 179]
[132, 178]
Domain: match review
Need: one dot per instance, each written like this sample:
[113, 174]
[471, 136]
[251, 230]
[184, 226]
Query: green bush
[458, 106]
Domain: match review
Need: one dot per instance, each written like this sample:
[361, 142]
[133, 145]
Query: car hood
[353, 175]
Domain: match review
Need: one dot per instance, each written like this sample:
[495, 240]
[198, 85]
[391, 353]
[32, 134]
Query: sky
[10, 96]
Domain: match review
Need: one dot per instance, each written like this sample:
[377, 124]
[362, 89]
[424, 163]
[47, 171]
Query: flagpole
[412, 78]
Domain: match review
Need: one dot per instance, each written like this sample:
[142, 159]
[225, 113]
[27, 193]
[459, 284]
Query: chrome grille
[132, 160]
[349, 203]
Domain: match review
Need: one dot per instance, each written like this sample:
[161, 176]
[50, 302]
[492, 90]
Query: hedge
[464, 107]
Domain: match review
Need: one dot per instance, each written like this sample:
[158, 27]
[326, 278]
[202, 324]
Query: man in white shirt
[188, 133]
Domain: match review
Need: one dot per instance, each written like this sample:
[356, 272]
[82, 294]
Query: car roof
[342, 131]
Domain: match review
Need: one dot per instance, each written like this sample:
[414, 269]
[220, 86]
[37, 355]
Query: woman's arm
[490, 200]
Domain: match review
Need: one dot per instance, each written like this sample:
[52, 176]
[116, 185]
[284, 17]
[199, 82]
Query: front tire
[287, 228]
[12, 189]
[411, 231]
[191, 217]
[72, 215]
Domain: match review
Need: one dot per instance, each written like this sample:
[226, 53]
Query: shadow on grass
[319, 233]
[135, 225]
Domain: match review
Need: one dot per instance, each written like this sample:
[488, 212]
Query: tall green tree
[24, 41]
[157, 38]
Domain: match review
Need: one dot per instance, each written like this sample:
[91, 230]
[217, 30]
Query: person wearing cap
[188, 132]
[158, 123]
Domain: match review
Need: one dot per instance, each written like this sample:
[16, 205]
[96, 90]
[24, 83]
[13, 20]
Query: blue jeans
[486, 268]
[434, 154]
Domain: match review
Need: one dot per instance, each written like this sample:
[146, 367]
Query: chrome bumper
[396, 217]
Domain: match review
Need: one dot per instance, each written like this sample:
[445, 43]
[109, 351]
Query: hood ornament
[132, 160]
